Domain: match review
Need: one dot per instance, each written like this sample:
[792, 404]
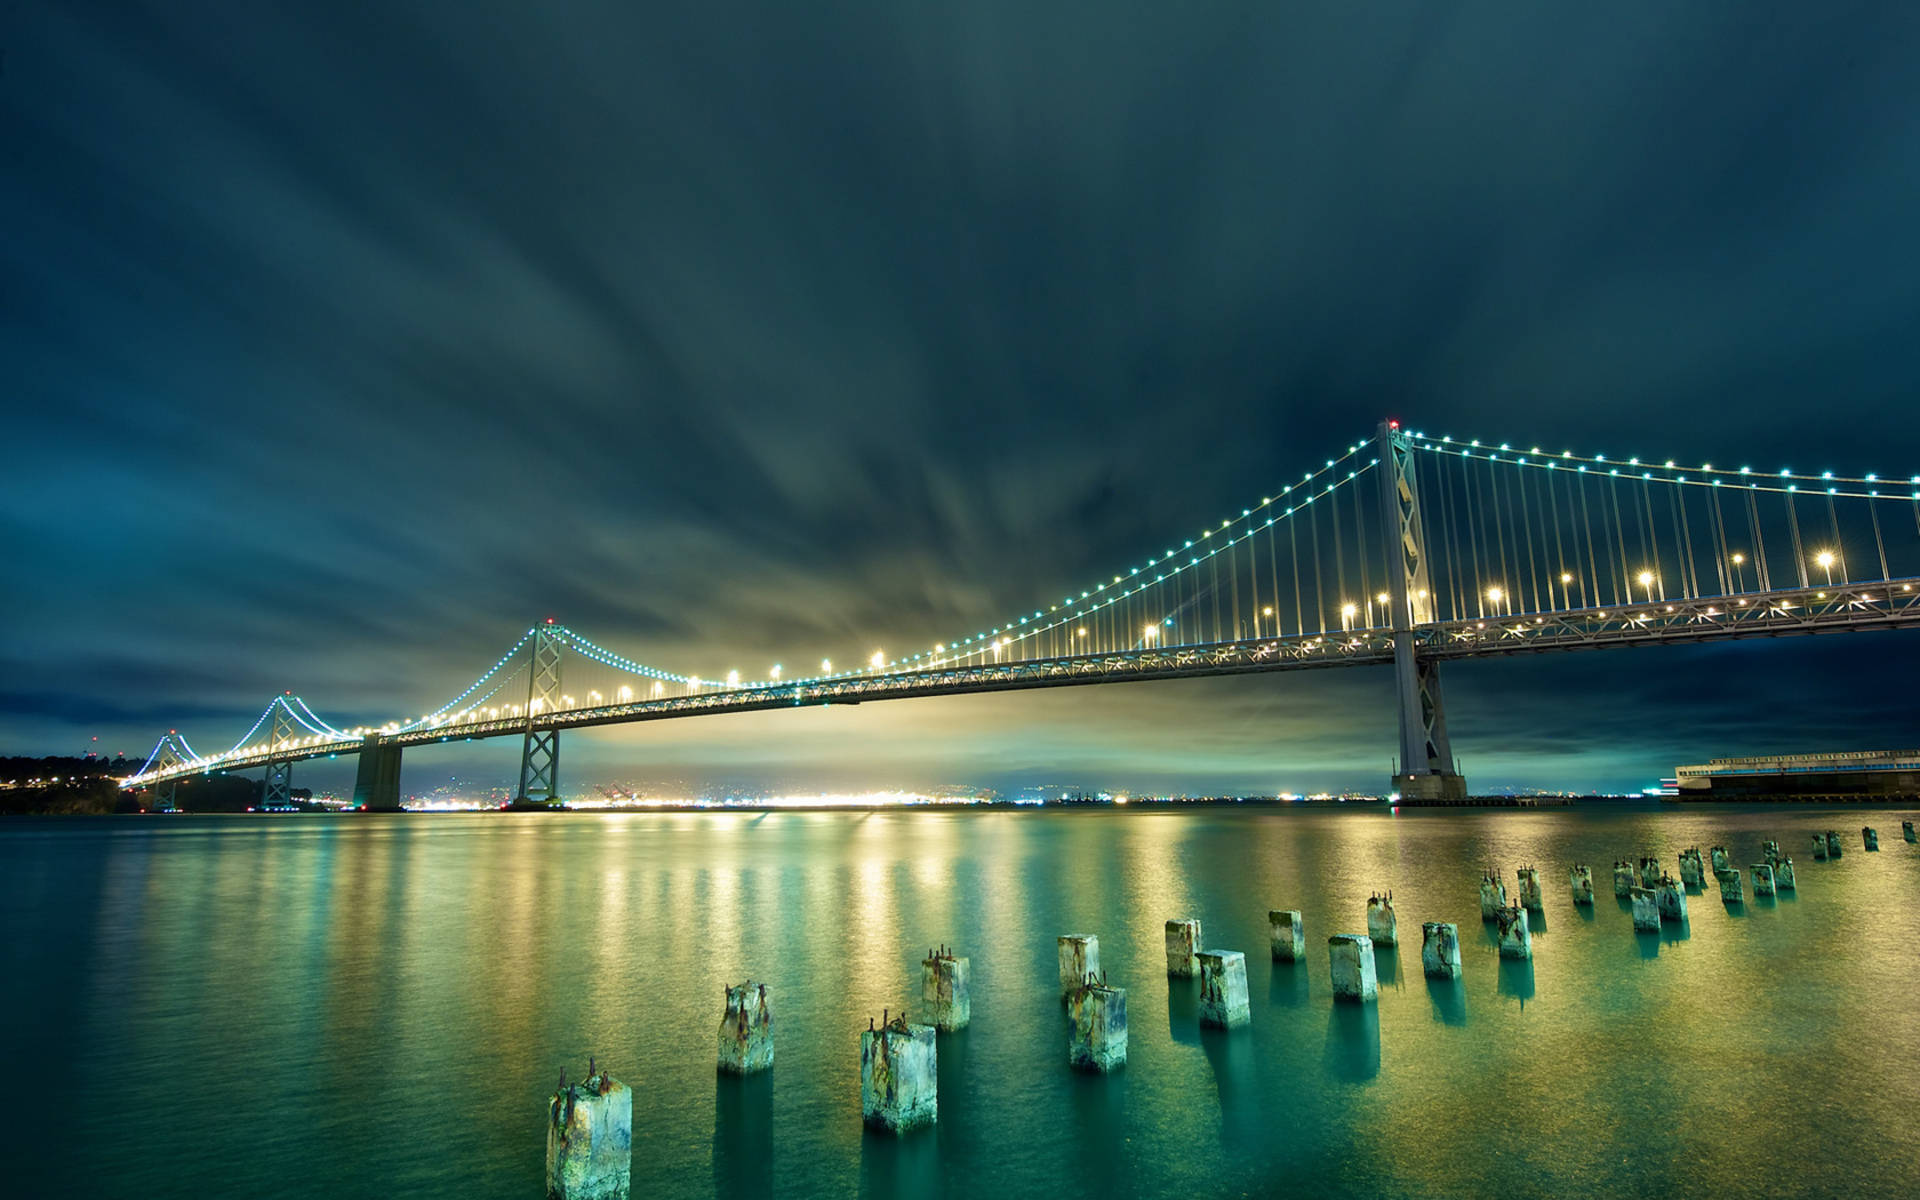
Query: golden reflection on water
[338, 971]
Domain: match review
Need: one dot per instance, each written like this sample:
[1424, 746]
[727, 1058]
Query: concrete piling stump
[1516, 939]
[1079, 958]
[1671, 896]
[1819, 847]
[1098, 1039]
[1623, 879]
[1650, 870]
[1382, 926]
[899, 1078]
[1770, 851]
[1440, 949]
[945, 980]
[1223, 989]
[1870, 837]
[1783, 875]
[1493, 895]
[1580, 879]
[1762, 879]
[1288, 934]
[746, 1031]
[1717, 856]
[1906, 830]
[1355, 976]
[1646, 911]
[1693, 871]
[1183, 945]
[1530, 896]
[1731, 891]
[1834, 848]
[590, 1138]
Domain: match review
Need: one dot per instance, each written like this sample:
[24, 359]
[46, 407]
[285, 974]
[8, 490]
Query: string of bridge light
[448, 707]
[1826, 483]
[470, 712]
[980, 643]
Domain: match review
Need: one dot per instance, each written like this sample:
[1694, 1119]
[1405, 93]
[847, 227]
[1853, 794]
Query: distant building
[1869, 775]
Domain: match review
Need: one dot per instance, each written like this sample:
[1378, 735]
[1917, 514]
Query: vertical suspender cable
[1319, 581]
[1873, 510]
[1793, 525]
[1839, 547]
[1339, 559]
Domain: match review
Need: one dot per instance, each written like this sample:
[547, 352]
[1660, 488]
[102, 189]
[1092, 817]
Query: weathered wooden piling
[1580, 879]
[1493, 895]
[1717, 855]
[1731, 891]
[1693, 871]
[945, 988]
[1834, 848]
[1819, 847]
[899, 1077]
[1783, 875]
[1288, 934]
[1382, 926]
[1516, 940]
[1440, 949]
[1646, 911]
[1623, 879]
[1906, 830]
[746, 1031]
[1098, 1038]
[1762, 879]
[1223, 989]
[1355, 977]
[1079, 958]
[1183, 948]
[1770, 851]
[1672, 897]
[590, 1138]
[1870, 836]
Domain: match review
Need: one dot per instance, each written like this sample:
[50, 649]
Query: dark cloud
[342, 343]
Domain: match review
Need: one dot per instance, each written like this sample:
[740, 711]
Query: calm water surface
[373, 1006]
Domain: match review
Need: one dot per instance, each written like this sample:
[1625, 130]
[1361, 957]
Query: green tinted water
[356, 1006]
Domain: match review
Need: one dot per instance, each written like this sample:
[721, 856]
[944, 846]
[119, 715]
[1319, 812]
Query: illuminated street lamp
[1825, 559]
[1566, 589]
[773, 672]
[1347, 612]
[1646, 581]
[878, 660]
[1149, 633]
[1740, 572]
[826, 666]
[1494, 596]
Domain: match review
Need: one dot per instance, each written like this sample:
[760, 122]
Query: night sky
[342, 342]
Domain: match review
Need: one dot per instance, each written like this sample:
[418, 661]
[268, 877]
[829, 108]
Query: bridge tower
[172, 753]
[1427, 769]
[277, 789]
[540, 749]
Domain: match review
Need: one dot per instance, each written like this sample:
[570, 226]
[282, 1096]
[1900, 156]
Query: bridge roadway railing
[1661, 621]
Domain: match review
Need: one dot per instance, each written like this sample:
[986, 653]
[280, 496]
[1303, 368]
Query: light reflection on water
[378, 1005]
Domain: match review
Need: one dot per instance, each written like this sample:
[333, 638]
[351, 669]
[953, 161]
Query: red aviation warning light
[1392, 424]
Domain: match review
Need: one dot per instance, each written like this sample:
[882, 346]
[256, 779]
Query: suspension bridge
[1404, 550]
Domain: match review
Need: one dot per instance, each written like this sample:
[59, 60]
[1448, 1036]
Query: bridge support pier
[376, 785]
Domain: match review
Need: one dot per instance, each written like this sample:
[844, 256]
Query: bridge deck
[1843, 608]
